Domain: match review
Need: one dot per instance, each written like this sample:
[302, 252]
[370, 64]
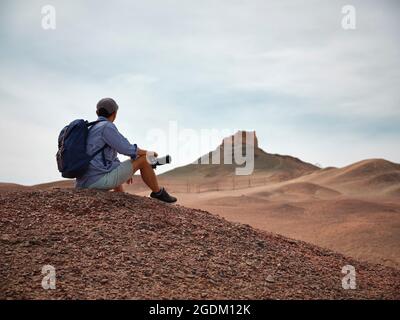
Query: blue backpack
[72, 159]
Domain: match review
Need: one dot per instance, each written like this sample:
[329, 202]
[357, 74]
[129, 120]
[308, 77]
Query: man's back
[101, 134]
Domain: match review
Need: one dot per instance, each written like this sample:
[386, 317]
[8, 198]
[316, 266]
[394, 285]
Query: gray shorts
[114, 178]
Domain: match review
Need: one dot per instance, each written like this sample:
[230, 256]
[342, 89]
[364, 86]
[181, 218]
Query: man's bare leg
[149, 178]
[147, 172]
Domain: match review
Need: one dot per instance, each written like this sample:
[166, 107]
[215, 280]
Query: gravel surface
[107, 245]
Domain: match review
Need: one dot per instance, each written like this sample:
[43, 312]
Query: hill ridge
[282, 167]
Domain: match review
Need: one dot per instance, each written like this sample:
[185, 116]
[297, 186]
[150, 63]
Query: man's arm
[118, 142]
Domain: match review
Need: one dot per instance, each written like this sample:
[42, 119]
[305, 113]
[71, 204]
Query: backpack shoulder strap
[98, 151]
[102, 151]
[91, 125]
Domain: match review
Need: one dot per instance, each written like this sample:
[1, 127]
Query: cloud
[284, 68]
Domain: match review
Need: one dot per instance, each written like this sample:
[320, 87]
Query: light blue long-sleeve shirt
[104, 132]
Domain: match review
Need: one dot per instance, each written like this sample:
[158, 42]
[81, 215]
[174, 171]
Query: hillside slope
[278, 167]
[110, 245]
[377, 176]
[6, 187]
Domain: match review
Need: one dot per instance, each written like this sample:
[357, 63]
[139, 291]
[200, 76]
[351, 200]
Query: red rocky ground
[119, 246]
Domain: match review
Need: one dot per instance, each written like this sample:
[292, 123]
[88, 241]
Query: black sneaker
[163, 196]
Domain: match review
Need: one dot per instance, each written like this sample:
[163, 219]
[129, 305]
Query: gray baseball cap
[108, 104]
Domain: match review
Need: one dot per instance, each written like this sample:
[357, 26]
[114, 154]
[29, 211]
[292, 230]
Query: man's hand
[142, 152]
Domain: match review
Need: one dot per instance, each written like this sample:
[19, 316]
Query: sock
[159, 192]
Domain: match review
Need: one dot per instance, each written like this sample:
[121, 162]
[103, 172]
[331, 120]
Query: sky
[284, 68]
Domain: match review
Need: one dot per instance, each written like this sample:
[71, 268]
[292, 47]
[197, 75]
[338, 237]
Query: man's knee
[140, 162]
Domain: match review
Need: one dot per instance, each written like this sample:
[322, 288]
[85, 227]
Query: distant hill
[56, 184]
[276, 167]
[4, 186]
[9, 187]
[378, 176]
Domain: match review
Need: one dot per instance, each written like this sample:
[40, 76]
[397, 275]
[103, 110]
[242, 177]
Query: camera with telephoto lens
[155, 162]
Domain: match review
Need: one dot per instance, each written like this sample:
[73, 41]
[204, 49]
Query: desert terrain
[354, 210]
[367, 228]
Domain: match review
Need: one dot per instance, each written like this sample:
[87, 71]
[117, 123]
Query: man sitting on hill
[105, 171]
